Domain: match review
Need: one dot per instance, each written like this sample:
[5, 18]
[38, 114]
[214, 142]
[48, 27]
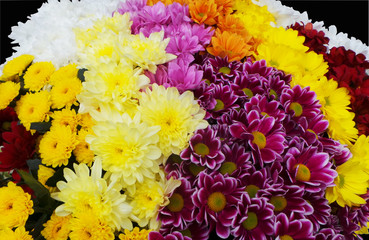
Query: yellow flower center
[274, 93]
[201, 149]
[303, 173]
[219, 106]
[264, 114]
[228, 167]
[279, 203]
[225, 70]
[195, 169]
[252, 190]
[251, 222]
[248, 92]
[217, 201]
[259, 139]
[286, 237]
[176, 203]
[297, 108]
[309, 130]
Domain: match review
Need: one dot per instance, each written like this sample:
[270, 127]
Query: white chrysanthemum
[84, 191]
[48, 34]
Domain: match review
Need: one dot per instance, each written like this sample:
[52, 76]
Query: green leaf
[58, 176]
[41, 127]
[81, 74]
[33, 164]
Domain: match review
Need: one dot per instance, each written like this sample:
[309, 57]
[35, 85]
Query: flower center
[286, 237]
[251, 222]
[274, 93]
[309, 130]
[186, 233]
[195, 169]
[228, 167]
[341, 180]
[252, 190]
[219, 106]
[279, 203]
[264, 114]
[217, 201]
[201, 149]
[225, 70]
[248, 92]
[6, 126]
[176, 203]
[297, 108]
[303, 173]
[259, 139]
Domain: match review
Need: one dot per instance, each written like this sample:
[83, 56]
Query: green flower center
[217, 201]
[265, 114]
[252, 190]
[259, 139]
[274, 93]
[176, 203]
[225, 70]
[207, 81]
[186, 233]
[286, 237]
[219, 106]
[201, 149]
[341, 180]
[297, 108]
[248, 92]
[6, 126]
[251, 222]
[195, 169]
[303, 173]
[279, 203]
[228, 167]
[309, 130]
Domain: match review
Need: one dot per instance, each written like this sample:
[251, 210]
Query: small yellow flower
[135, 234]
[66, 117]
[15, 67]
[15, 206]
[57, 228]
[82, 151]
[44, 173]
[18, 234]
[9, 90]
[37, 75]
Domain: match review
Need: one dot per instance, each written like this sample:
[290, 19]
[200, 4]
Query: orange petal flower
[204, 11]
[232, 24]
[167, 2]
[224, 7]
[229, 44]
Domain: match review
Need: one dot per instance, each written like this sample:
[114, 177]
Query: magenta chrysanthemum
[171, 236]
[237, 161]
[256, 181]
[286, 227]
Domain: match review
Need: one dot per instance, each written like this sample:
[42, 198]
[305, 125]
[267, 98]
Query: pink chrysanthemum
[255, 181]
[237, 161]
[286, 227]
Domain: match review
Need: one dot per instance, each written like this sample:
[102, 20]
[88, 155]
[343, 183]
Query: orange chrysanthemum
[229, 44]
[232, 24]
[167, 2]
[204, 11]
[225, 7]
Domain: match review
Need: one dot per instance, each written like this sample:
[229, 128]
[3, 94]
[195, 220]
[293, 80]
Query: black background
[349, 17]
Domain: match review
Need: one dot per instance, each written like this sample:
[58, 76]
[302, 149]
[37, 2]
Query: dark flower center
[217, 201]
[259, 139]
[251, 222]
[195, 169]
[252, 190]
[297, 108]
[279, 203]
[303, 173]
[225, 70]
[248, 92]
[176, 203]
[219, 106]
[228, 167]
[201, 149]
[6, 126]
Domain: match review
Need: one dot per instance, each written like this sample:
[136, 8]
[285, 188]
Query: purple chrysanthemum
[171, 236]
[183, 76]
[336, 150]
[190, 171]
[328, 234]
[312, 128]
[225, 99]
[219, 70]
[179, 210]
[247, 85]
[265, 107]
[193, 230]
[346, 219]
[215, 199]
[321, 209]
[237, 161]
[254, 219]
[274, 85]
[204, 149]
[255, 181]
[287, 227]
[309, 168]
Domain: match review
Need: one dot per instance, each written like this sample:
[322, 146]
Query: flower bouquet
[144, 119]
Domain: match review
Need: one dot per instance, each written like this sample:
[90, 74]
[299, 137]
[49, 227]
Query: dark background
[349, 17]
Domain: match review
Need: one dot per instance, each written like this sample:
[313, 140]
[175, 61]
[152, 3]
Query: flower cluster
[183, 119]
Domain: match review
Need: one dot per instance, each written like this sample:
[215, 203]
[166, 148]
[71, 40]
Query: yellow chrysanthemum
[361, 150]
[57, 145]
[15, 206]
[135, 234]
[57, 228]
[82, 151]
[128, 150]
[287, 37]
[351, 182]
[64, 93]
[88, 227]
[335, 107]
[33, 107]
[9, 90]
[68, 71]
[84, 192]
[85, 120]
[37, 75]
[147, 52]
[43, 174]
[18, 234]
[66, 117]
[15, 67]
[178, 116]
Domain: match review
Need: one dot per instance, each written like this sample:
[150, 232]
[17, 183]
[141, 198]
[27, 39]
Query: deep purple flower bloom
[179, 210]
[287, 227]
[193, 230]
[265, 107]
[321, 209]
[255, 219]
[256, 181]
[171, 236]
[204, 149]
[346, 219]
[312, 128]
[328, 234]
[225, 99]
[336, 150]
[237, 161]
[274, 86]
[247, 85]
[215, 199]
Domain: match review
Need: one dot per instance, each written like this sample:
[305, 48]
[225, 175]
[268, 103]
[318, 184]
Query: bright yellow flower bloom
[9, 90]
[37, 75]
[65, 117]
[15, 206]
[57, 228]
[43, 174]
[82, 151]
[135, 234]
[18, 234]
[15, 67]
